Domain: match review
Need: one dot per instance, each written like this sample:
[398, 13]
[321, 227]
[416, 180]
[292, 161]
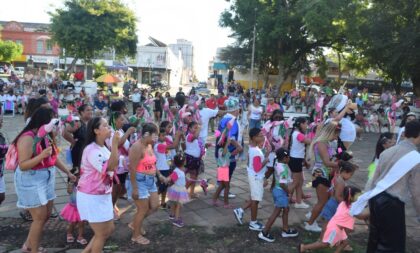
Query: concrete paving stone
[74, 250]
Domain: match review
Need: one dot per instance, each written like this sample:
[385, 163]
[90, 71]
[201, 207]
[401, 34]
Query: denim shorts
[34, 188]
[329, 209]
[280, 198]
[146, 184]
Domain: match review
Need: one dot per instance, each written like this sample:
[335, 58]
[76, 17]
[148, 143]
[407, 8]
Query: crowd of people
[155, 157]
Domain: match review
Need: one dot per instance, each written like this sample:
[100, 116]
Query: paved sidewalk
[200, 212]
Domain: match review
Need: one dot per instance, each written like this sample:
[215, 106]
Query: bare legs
[145, 207]
[102, 230]
[297, 186]
[322, 195]
[40, 216]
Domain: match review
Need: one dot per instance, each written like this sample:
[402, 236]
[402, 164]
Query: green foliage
[387, 35]
[288, 32]
[84, 27]
[99, 69]
[9, 51]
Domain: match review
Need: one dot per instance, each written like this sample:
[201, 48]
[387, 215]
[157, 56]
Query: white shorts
[95, 208]
[256, 187]
[2, 185]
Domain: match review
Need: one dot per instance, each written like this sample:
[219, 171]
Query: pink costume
[392, 112]
[318, 108]
[92, 181]
[335, 232]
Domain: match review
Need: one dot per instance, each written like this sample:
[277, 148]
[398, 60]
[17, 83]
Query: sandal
[142, 231]
[25, 249]
[141, 240]
[307, 196]
[82, 240]
[70, 238]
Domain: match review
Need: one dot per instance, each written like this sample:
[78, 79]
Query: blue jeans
[254, 123]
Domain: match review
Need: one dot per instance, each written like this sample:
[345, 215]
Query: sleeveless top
[147, 165]
[48, 161]
[319, 168]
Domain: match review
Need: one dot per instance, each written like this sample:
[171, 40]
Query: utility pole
[252, 60]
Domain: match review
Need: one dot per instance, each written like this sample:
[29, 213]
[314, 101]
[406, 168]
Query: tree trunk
[266, 78]
[339, 67]
[281, 78]
[66, 72]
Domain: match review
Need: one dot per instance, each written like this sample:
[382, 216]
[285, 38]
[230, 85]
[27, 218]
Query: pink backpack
[11, 158]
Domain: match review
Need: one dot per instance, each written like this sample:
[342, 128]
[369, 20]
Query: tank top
[319, 166]
[48, 161]
[147, 165]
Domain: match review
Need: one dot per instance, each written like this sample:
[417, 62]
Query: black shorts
[162, 187]
[296, 164]
[321, 180]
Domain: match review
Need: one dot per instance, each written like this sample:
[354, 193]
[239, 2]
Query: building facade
[185, 49]
[36, 42]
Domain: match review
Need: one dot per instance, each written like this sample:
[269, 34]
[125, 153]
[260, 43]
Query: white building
[185, 48]
[155, 61]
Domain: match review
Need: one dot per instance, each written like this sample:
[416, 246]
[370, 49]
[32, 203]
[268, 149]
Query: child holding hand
[339, 225]
[280, 196]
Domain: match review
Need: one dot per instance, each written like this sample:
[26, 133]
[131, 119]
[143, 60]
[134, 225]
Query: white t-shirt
[192, 147]
[348, 130]
[297, 149]
[264, 100]
[256, 157]
[10, 98]
[256, 112]
[135, 98]
[161, 156]
[206, 114]
[178, 177]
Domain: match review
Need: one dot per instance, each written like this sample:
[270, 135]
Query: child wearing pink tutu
[71, 214]
[340, 224]
[177, 192]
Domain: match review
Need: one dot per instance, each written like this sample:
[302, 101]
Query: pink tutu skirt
[70, 213]
[178, 194]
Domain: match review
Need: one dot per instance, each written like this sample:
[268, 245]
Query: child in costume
[339, 225]
[177, 192]
[71, 214]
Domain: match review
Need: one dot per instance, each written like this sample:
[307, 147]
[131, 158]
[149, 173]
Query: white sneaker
[239, 215]
[230, 195]
[314, 227]
[308, 215]
[301, 205]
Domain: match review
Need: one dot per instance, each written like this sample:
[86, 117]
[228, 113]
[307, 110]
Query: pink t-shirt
[272, 107]
[335, 232]
[94, 178]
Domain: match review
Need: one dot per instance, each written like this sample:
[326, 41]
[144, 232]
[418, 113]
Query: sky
[165, 20]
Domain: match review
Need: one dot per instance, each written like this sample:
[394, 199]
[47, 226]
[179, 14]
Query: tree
[85, 27]
[387, 35]
[284, 37]
[9, 50]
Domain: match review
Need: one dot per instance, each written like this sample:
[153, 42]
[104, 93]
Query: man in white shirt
[205, 115]
[135, 98]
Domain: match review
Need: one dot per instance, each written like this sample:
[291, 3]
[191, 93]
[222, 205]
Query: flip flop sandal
[82, 241]
[307, 196]
[141, 240]
[215, 203]
[25, 249]
[142, 231]
[70, 238]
